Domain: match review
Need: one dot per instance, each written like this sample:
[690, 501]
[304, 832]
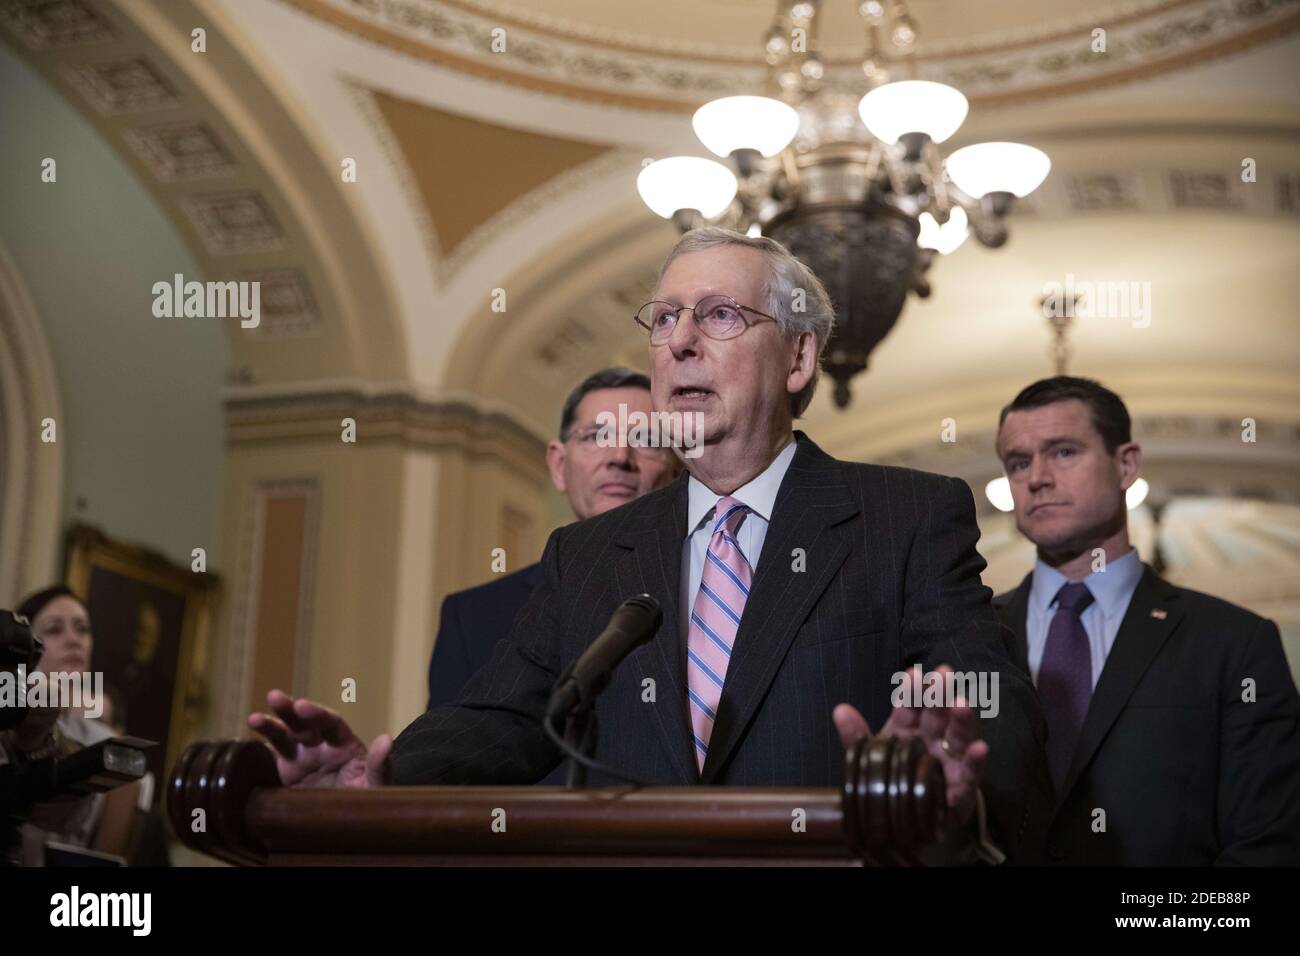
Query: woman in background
[102, 822]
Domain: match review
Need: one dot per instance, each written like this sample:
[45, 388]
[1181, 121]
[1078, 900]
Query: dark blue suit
[472, 622]
[1189, 772]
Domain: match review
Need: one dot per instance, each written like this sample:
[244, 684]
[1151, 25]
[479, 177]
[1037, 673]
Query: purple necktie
[715, 619]
[1065, 678]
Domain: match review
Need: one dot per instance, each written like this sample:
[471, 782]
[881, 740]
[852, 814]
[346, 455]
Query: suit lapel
[812, 501]
[653, 560]
[1139, 640]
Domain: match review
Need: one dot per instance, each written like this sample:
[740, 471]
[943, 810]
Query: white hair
[787, 276]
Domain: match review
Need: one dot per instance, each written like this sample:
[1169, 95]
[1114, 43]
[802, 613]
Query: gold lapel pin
[1159, 614]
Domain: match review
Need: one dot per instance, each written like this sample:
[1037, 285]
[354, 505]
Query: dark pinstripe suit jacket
[891, 579]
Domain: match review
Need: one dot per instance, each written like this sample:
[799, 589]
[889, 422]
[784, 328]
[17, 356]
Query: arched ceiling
[229, 162]
[514, 170]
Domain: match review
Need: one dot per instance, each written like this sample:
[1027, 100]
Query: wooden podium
[890, 806]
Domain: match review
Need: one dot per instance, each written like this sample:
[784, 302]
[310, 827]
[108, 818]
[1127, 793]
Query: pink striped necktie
[715, 619]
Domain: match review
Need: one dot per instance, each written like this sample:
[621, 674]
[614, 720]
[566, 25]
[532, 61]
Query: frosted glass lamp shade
[745, 122]
[913, 106]
[998, 167]
[686, 182]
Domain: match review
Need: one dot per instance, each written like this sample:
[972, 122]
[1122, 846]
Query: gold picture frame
[152, 621]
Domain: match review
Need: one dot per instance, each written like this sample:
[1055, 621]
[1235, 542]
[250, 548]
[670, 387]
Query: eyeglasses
[717, 316]
[588, 441]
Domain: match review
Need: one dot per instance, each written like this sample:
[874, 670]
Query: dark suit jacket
[891, 579]
[472, 622]
[1186, 772]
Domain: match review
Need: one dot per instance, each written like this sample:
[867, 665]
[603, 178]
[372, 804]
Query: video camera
[26, 779]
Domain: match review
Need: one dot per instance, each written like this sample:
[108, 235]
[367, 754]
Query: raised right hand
[314, 747]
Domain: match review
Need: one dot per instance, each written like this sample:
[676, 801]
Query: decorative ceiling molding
[1155, 39]
[55, 23]
[565, 354]
[512, 357]
[1172, 39]
[461, 41]
[996, 35]
[288, 308]
[128, 67]
[1161, 191]
[363, 101]
[384, 414]
[234, 223]
[187, 149]
[127, 85]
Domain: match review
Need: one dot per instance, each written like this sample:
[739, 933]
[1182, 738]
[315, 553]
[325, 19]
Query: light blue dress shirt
[759, 494]
[1111, 591]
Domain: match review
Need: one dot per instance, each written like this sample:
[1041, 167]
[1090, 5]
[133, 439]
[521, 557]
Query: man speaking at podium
[795, 590]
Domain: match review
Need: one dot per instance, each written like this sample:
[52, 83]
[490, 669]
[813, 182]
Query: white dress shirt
[759, 494]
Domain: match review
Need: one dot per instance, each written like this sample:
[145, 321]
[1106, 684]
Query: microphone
[634, 623]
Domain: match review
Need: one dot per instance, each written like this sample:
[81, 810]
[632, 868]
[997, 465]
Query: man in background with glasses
[594, 475]
[797, 591]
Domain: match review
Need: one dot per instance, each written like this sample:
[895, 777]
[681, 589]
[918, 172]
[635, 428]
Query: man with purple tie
[1173, 722]
[796, 590]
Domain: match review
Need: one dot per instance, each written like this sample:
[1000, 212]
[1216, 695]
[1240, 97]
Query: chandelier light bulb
[904, 33]
[946, 238]
[913, 106]
[871, 10]
[998, 492]
[686, 182]
[1136, 494]
[745, 122]
[998, 167]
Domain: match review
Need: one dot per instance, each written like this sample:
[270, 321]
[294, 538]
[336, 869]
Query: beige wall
[393, 523]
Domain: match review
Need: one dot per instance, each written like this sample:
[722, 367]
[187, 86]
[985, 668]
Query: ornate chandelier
[855, 187]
